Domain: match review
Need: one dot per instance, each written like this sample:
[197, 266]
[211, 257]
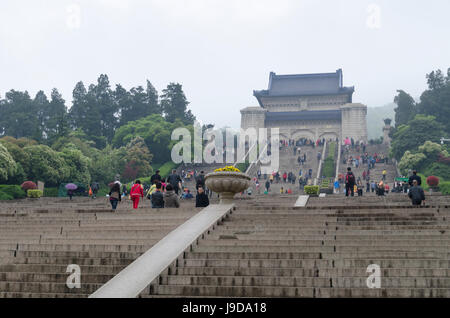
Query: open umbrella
[71, 186]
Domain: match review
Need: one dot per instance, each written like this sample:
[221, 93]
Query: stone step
[319, 263]
[291, 255]
[45, 287]
[309, 272]
[41, 295]
[298, 281]
[249, 291]
[330, 236]
[53, 268]
[316, 249]
[73, 254]
[67, 261]
[51, 277]
[326, 243]
[78, 247]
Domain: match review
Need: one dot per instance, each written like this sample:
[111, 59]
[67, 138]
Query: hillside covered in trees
[106, 131]
[419, 127]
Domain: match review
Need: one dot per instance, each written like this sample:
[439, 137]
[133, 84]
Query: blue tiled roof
[305, 85]
[304, 115]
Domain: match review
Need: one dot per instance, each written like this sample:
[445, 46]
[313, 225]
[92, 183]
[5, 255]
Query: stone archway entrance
[329, 135]
[302, 133]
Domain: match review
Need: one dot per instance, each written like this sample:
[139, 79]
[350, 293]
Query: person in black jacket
[201, 200]
[415, 177]
[158, 197]
[416, 194]
[175, 180]
[200, 180]
[155, 178]
[350, 182]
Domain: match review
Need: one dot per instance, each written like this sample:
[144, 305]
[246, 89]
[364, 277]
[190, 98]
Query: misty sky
[220, 51]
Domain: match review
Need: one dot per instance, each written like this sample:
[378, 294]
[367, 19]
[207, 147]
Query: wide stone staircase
[39, 239]
[376, 174]
[268, 248]
[264, 248]
[288, 163]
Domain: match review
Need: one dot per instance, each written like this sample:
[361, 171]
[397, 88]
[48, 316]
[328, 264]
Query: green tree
[46, 165]
[40, 108]
[156, 132]
[18, 115]
[436, 100]
[174, 104]
[56, 123]
[139, 157]
[77, 163]
[7, 164]
[414, 134]
[405, 110]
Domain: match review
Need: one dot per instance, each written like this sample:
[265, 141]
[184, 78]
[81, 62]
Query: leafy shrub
[34, 193]
[438, 169]
[13, 190]
[51, 192]
[433, 181]
[311, 190]
[5, 196]
[167, 168]
[28, 185]
[445, 187]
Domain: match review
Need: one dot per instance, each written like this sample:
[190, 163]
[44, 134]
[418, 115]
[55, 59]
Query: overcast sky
[220, 51]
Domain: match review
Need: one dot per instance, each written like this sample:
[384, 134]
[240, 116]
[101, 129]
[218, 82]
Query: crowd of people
[412, 187]
[162, 192]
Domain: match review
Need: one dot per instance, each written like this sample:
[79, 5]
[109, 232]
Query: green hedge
[444, 187]
[328, 169]
[4, 196]
[34, 193]
[243, 166]
[51, 192]
[14, 191]
[312, 189]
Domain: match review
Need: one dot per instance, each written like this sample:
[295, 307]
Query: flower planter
[227, 184]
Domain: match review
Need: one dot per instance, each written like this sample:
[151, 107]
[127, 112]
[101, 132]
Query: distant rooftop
[305, 85]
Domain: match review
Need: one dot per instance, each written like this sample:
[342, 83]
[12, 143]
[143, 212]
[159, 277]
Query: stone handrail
[132, 280]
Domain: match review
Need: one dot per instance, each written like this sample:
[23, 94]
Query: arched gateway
[308, 106]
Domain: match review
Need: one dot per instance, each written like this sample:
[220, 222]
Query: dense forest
[105, 132]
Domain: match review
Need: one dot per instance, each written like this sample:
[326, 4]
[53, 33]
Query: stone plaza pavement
[265, 248]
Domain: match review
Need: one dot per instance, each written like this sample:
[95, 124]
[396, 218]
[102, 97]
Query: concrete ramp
[139, 274]
[302, 200]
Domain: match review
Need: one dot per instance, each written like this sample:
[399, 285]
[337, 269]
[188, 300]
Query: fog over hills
[375, 116]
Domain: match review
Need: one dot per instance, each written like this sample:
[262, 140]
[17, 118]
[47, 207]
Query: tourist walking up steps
[416, 194]
[349, 182]
[175, 180]
[415, 177]
[114, 196]
[136, 192]
[157, 197]
[171, 198]
[201, 200]
[267, 185]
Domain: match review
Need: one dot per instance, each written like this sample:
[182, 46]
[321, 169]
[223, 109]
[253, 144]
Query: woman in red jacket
[136, 193]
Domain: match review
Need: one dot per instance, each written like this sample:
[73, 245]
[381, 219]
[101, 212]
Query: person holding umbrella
[70, 189]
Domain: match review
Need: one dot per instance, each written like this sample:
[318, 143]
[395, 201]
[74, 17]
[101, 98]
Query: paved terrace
[39, 239]
[264, 248]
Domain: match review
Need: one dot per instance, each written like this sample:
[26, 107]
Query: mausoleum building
[309, 106]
